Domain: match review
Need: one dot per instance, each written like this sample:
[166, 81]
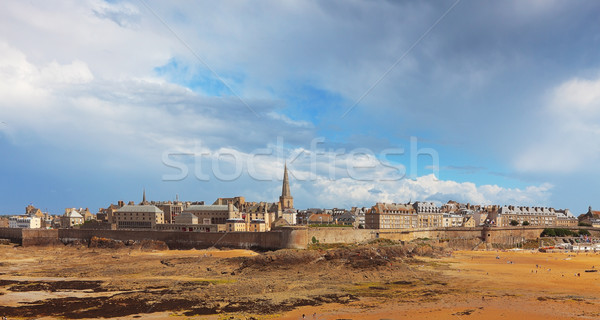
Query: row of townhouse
[404, 216]
[534, 216]
[427, 215]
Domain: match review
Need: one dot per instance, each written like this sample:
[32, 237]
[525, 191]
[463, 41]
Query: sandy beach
[82, 283]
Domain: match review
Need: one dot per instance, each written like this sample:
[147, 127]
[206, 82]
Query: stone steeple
[285, 189]
[144, 198]
[286, 200]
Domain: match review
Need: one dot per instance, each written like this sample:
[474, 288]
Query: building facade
[391, 216]
[25, 222]
[71, 218]
[213, 214]
[591, 217]
[138, 217]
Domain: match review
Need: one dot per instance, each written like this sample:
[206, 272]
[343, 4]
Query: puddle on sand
[15, 299]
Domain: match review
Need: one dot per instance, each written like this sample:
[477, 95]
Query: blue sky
[98, 98]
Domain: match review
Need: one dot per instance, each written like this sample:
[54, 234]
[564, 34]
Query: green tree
[584, 232]
[514, 223]
[525, 223]
[584, 224]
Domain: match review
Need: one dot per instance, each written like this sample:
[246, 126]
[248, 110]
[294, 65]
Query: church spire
[285, 189]
[144, 197]
[286, 200]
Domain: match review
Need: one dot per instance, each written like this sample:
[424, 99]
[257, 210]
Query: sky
[482, 102]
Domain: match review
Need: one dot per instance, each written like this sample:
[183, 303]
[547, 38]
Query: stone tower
[286, 200]
[144, 202]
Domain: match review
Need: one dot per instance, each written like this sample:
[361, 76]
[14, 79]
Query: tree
[584, 224]
[514, 223]
[525, 223]
[584, 232]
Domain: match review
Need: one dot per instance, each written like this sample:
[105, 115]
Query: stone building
[533, 216]
[186, 218]
[428, 215]
[391, 216]
[564, 218]
[257, 225]
[107, 214]
[71, 218]
[235, 225]
[214, 214]
[406, 216]
[320, 218]
[171, 209]
[138, 217]
[591, 217]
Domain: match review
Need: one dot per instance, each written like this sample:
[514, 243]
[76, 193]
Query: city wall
[339, 235]
[15, 235]
[185, 240]
[287, 237]
[39, 237]
[348, 235]
[460, 236]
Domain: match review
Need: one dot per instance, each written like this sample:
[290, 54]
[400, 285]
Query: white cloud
[53, 101]
[567, 139]
[75, 73]
[348, 192]
[327, 180]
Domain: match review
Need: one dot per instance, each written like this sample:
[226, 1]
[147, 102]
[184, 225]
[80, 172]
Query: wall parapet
[297, 237]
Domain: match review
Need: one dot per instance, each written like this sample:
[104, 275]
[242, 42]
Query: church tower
[286, 200]
[144, 202]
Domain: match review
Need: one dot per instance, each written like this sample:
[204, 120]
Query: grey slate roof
[140, 208]
[214, 207]
[73, 214]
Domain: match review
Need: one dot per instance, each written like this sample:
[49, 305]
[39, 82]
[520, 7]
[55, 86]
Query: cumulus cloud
[349, 192]
[570, 139]
[342, 179]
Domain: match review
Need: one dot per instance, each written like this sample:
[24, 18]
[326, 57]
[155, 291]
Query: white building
[452, 220]
[24, 222]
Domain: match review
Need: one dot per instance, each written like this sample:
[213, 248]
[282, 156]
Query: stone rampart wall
[288, 237]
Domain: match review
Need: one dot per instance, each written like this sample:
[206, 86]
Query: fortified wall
[461, 237]
[278, 239]
[286, 237]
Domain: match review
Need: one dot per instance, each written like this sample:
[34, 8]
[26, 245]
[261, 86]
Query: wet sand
[173, 284]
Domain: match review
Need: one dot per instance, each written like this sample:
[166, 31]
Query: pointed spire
[285, 189]
[144, 198]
